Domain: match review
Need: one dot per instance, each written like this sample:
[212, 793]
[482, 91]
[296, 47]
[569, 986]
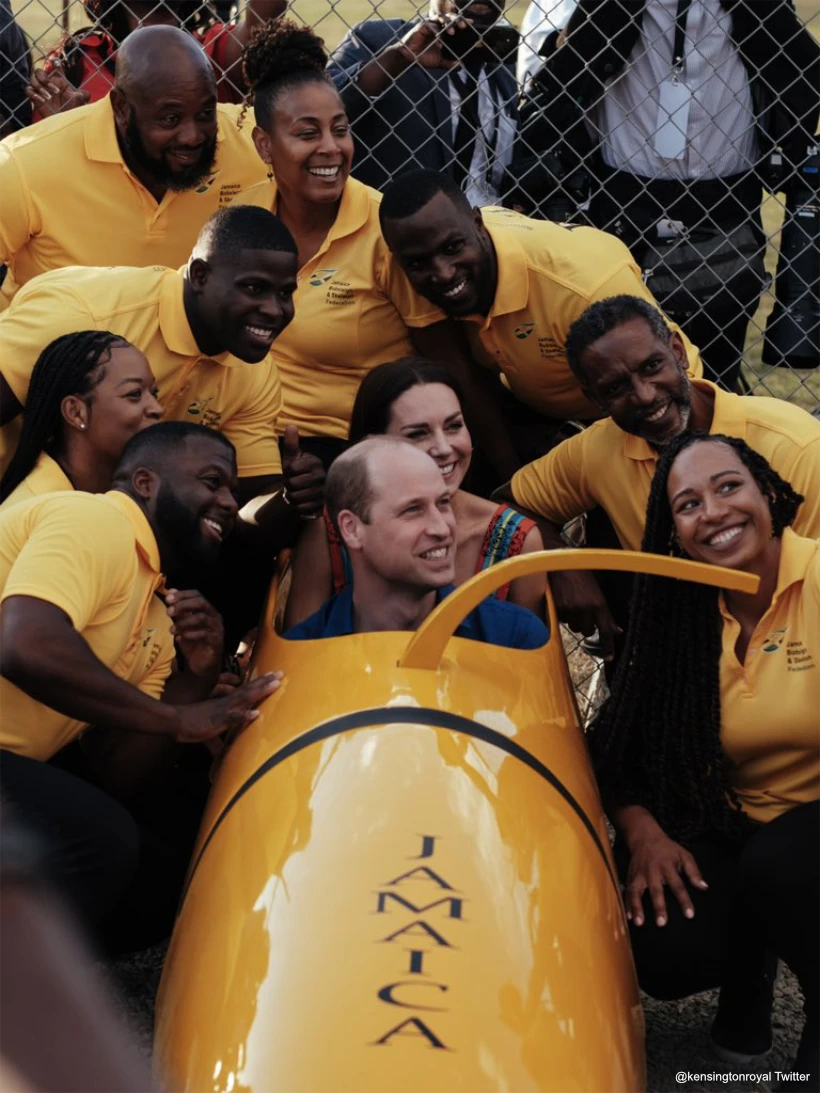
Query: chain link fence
[687, 128]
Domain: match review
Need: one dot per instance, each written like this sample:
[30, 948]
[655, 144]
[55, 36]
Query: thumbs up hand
[304, 476]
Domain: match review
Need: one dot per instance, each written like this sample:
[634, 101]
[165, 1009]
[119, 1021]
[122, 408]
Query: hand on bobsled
[203, 721]
[198, 631]
[659, 862]
[304, 476]
[580, 604]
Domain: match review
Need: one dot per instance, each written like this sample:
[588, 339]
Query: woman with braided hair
[90, 393]
[708, 751]
[346, 318]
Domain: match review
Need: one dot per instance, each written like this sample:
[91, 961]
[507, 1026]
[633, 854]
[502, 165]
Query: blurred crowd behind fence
[687, 127]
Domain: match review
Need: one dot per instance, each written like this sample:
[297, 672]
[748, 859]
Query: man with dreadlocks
[632, 367]
[708, 751]
[128, 180]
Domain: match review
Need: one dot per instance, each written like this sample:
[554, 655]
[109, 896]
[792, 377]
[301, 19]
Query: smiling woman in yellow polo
[69, 199]
[346, 318]
[145, 306]
[94, 557]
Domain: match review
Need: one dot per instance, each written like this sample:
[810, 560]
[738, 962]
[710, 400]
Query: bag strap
[680, 34]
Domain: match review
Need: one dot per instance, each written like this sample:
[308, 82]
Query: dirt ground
[676, 1032]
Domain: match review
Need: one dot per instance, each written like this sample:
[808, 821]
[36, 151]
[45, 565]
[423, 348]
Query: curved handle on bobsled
[426, 646]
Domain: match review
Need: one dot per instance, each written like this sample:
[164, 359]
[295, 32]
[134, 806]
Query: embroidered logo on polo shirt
[205, 415]
[322, 276]
[205, 185]
[227, 192]
[775, 640]
[524, 331]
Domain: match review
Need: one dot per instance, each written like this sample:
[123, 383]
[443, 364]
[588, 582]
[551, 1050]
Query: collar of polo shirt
[796, 554]
[146, 540]
[174, 325]
[101, 142]
[513, 280]
[354, 208]
[727, 418]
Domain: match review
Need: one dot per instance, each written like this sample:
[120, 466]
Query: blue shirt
[493, 621]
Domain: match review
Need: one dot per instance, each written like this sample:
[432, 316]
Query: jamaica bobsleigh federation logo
[774, 641]
[322, 276]
[524, 331]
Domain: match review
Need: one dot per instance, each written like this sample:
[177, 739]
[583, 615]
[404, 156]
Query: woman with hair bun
[90, 392]
[346, 321]
[708, 751]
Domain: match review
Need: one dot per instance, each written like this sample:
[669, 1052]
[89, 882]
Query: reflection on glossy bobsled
[403, 878]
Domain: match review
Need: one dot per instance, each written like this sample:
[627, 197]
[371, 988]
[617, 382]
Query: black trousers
[763, 895]
[91, 841]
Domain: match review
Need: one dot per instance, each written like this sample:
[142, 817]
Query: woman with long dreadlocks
[90, 393]
[708, 752]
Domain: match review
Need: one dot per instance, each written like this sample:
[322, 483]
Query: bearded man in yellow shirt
[88, 640]
[128, 180]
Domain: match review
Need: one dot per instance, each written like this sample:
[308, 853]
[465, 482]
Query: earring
[270, 175]
[82, 424]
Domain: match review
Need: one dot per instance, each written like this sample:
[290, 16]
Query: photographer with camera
[439, 94]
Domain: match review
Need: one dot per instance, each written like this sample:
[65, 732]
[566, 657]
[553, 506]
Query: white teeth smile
[325, 172]
[721, 538]
[264, 333]
[434, 555]
[456, 289]
[448, 468]
[658, 414]
[215, 527]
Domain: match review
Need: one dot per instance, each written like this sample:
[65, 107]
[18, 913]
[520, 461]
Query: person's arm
[275, 506]
[43, 655]
[445, 342]
[200, 637]
[421, 45]
[656, 862]
[529, 592]
[19, 220]
[311, 581]
[235, 39]
[551, 491]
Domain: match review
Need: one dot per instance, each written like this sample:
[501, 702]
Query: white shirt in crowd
[720, 135]
[494, 143]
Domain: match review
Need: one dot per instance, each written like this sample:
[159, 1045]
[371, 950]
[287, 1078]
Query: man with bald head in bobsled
[393, 512]
[128, 180]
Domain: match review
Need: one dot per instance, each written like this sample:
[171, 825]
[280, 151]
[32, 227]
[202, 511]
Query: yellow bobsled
[403, 879]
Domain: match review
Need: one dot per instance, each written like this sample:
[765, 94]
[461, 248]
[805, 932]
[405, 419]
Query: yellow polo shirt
[346, 321]
[47, 476]
[605, 466]
[69, 199]
[548, 275]
[770, 705]
[241, 400]
[95, 557]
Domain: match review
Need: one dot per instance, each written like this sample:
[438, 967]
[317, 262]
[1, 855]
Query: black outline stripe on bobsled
[406, 715]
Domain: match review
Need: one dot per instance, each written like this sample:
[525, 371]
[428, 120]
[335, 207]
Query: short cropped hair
[348, 485]
[242, 227]
[604, 316]
[412, 191]
[155, 447]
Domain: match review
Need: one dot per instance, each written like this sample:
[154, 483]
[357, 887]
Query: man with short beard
[88, 625]
[632, 368]
[128, 180]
